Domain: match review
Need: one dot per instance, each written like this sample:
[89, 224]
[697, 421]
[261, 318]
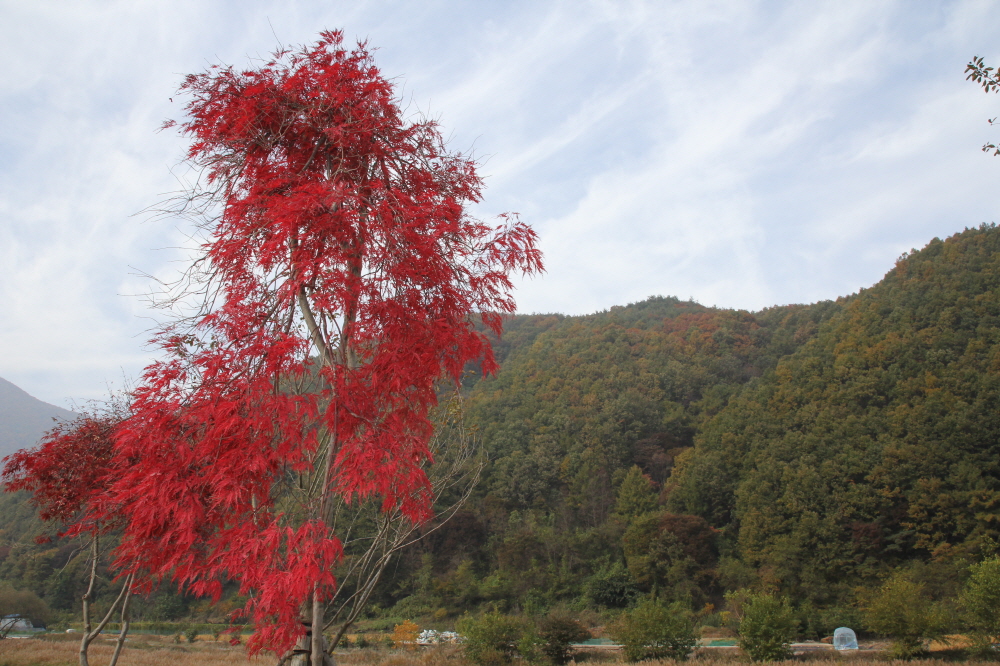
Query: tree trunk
[87, 634]
[126, 621]
[318, 644]
[306, 651]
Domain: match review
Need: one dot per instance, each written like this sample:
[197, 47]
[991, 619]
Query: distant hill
[24, 419]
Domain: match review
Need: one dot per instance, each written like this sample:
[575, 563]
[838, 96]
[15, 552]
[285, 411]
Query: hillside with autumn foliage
[673, 450]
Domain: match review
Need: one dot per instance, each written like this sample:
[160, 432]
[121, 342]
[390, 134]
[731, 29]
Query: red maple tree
[339, 279]
[66, 471]
[68, 475]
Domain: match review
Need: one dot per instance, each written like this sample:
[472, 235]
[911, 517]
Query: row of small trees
[899, 609]
[493, 639]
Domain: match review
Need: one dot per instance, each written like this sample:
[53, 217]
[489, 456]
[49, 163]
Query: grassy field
[139, 651]
[163, 651]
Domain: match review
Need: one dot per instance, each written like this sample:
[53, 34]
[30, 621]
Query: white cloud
[744, 153]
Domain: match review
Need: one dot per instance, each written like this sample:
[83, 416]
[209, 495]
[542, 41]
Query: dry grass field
[139, 651]
[163, 651]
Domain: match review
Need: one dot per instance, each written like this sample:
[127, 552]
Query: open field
[163, 651]
[139, 651]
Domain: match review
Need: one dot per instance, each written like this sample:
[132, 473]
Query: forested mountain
[876, 442]
[669, 449]
[584, 424]
[23, 419]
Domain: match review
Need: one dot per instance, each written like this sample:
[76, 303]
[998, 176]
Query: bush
[980, 602]
[901, 610]
[191, 634]
[653, 631]
[23, 602]
[493, 639]
[767, 627]
[405, 635]
[557, 633]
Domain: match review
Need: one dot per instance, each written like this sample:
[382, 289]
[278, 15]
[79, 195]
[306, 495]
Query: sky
[740, 153]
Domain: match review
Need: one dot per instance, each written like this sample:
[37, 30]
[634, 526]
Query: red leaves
[339, 278]
[68, 472]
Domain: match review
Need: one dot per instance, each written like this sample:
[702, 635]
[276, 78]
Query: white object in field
[432, 637]
[16, 623]
[844, 639]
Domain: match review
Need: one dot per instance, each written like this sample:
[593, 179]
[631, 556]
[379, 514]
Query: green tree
[612, 586]
[494, 639]
[654, 631]
[557, 634]
[767, 627]
[980, 603]
[636, 495]
[670, 555]
[902, 610]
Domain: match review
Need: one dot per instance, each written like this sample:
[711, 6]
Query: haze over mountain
[23, 418]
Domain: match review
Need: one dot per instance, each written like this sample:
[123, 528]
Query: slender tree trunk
[126, 621]
[321, 654]
[317, 629]
[87, 637]
[89, 632]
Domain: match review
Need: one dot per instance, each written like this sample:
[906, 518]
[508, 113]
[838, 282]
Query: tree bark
[87, 637]
[126, 621]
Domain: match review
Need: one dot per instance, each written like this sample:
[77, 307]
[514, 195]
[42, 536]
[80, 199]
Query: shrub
[23, 602]
[361, 641]
[405, 635]
[493, 639]
[557, 633]
[980, 602]
[191, 634]
[531, 647]
[767, 626]
[901, 609]
[653, 631]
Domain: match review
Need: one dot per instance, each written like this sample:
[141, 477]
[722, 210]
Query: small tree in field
[980, 601]
[66, 474]
[405, 635]
[495, 639]
[655, 631]
[767, 627]
[901, 609]
[557, 634]
[338, 281]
